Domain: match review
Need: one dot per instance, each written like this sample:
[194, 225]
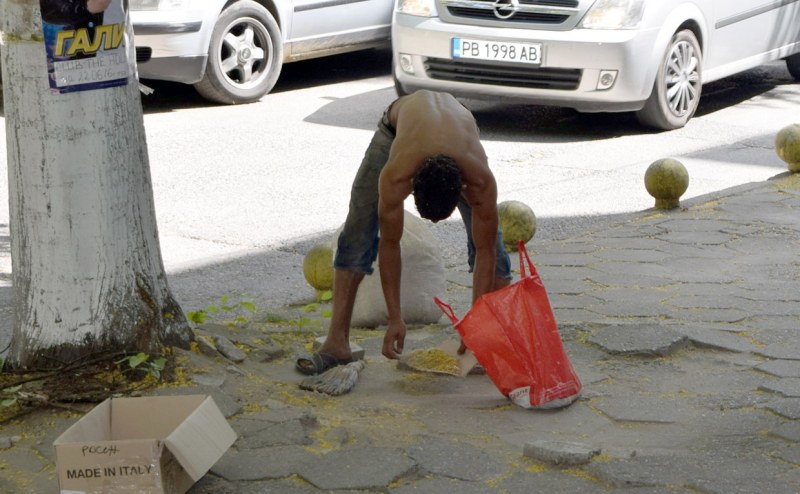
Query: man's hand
[394, 339]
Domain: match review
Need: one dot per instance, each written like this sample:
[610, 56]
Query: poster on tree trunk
[86, 43]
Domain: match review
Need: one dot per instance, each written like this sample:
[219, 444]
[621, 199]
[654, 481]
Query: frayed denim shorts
[357, 246]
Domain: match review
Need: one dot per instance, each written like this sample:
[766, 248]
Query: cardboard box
[158, 445]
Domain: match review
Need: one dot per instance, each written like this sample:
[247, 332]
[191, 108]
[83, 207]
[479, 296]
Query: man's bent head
[437, 187]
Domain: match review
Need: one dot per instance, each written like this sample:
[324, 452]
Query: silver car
[233, 50]
[646, 56]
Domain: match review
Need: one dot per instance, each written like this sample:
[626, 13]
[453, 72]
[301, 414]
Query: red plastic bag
[514, 336]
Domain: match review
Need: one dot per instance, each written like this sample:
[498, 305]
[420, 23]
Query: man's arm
[484, 234]
[390, 215]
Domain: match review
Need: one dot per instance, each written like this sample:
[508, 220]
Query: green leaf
[224, 299]
[240, 320]
[326, 296]
[310, 307]
[8, 403]
[198, 317]
[249, 306]
[135, 360]
[158, 363]
[12, 389]
[328, 313]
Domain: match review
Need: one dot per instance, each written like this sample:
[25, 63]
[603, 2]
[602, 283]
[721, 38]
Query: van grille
[503, 75]
[526, 11]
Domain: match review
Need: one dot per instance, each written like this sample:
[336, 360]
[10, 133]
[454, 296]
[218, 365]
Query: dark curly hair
[437, 187]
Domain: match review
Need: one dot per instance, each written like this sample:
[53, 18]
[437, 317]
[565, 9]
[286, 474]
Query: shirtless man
[427, 144]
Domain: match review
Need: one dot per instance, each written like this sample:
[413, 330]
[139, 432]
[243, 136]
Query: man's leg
[502, 262]
[345, 287]
[357, 247]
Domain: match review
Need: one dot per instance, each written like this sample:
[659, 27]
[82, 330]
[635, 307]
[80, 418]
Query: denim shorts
[357, 246]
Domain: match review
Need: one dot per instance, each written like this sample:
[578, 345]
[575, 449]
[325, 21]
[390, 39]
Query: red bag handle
[524, 252]
[448, 311]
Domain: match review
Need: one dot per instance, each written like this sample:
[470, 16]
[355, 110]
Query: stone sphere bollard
[666, 180]
[517, 222]
[787, 145]
[318, 267]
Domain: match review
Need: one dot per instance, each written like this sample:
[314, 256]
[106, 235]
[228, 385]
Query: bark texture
[87, 269]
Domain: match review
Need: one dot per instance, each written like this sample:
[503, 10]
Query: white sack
[422, 278]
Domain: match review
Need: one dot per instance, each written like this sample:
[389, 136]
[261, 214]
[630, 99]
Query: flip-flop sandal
[319, 363]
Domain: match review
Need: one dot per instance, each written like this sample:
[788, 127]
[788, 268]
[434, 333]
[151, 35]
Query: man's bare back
[428, 124]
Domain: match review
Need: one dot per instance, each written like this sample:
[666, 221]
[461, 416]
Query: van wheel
[245, 55]
[676, 92]
[793, 64]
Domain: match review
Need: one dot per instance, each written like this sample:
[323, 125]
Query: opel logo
[504, 9]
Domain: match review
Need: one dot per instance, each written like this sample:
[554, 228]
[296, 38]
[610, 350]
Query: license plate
[501, 51]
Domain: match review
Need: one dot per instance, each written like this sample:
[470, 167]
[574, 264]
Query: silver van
[647, 56]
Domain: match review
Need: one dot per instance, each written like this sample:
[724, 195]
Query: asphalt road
[242, 192]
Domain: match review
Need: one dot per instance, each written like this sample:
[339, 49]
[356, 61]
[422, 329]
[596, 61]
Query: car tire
[676, 91]
[793, 64]
[245, 55]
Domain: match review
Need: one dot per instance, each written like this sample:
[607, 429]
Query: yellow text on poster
[107, 37]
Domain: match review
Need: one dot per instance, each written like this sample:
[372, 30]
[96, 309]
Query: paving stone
[691, 238]
[211, 484]
[547, 482]
[789, 453]
[790, 351]
[280, 434]
[229, 350]
[695, 225]
[560, 452]
[716, 272]
[294, 485]
[628, 408]
[721, 340]
[710, 315]
[631, 308]
[559, 259]
[640, 470]
[205, 343]
[356, 468]
[632, 255]
[789, 431]
[456, 460]
[731, 400]
[629, 273]
[6, 442]
[647, 340]
[740, 472]
[211, 380]
[786, 386]
[227, 405]
[787, 407]
[267, 463]
[439, 485]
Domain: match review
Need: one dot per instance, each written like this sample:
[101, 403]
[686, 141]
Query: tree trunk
[87, 270]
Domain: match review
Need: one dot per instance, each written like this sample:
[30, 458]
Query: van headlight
[158, 4]
[421, 8]
[614, 14]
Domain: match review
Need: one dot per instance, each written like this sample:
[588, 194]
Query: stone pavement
[682, 325]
